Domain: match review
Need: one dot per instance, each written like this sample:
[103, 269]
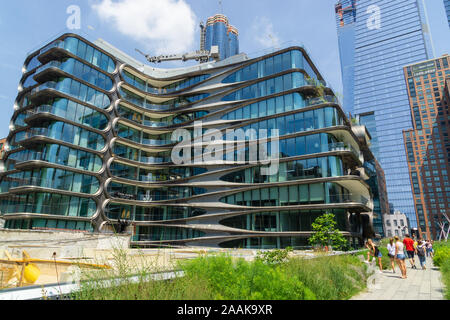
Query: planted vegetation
[441, 259]
[221, 277]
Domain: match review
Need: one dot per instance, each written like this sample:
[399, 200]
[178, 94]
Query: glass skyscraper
[220, 33]
[91, 148]
[388, 34]
[346, 22]
[447, 10]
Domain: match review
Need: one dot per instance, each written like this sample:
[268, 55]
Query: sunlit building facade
[91, 148]
[220, 33]
[427, 143]
[377, 39]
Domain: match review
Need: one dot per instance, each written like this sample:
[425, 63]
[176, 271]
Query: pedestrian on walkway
[391, 253]
[409, 244]
[368, 252]
[421, 253]
[400, 256]
[376, 253]
[430, 248]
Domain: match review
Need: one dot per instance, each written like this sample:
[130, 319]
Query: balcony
[46, 54]
[154, 160]
[349, 198]
[154, 124]
[341, 146]
[30, 133]
[55, 44]
[45, 86]
[54, 210]
[152, 142]
[321, 100]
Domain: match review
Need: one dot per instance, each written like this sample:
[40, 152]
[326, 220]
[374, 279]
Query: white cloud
[162, 26]
[264, 34]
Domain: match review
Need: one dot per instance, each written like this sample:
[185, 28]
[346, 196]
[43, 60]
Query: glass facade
[447, 10]
[220, 33]
[427, 143]
[91, 148]
[346, 24]
[387, 36]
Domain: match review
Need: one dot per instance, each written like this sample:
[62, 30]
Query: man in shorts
[410, 250]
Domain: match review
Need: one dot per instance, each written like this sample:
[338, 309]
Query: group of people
[396, 252]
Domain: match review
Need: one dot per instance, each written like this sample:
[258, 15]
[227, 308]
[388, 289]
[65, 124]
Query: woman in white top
[391, 253]
[400, 256]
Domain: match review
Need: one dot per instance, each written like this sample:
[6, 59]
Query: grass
[441, 259]
[221, 277]
[331, 278]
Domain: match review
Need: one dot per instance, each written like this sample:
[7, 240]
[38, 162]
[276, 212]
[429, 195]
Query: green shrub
[222, 277]
[273, 257]
[441, 259]
[441, 255]
[242, 280]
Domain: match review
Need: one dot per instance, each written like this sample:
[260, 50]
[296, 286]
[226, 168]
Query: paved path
[420, 284]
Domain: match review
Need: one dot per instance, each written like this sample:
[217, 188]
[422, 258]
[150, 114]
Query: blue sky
[26, 25]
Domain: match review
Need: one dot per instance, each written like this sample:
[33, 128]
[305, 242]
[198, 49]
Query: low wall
[66, 245]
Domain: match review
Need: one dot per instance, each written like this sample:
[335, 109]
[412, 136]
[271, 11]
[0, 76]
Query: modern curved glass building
[91, 149]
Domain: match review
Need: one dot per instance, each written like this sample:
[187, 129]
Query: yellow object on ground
[31, 273]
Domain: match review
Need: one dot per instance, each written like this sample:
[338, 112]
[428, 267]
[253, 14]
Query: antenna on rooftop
[221, 6]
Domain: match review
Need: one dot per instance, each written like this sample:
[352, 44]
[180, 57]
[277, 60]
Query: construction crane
[199, 55]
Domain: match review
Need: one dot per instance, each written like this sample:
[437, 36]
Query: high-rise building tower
[427, 143]
[388, 34]
[220, 33]
[92, 148]
[346, 22]
[447, 10]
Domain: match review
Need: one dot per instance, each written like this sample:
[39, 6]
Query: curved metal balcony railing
[55, 44]
[50, 184]
[341, 146]
[51, 64]
[54, 210]
[154, 160]
[44, 86]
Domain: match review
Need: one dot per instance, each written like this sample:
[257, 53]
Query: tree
[326, 233]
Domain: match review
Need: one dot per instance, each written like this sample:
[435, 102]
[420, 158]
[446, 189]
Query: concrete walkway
[420, 284]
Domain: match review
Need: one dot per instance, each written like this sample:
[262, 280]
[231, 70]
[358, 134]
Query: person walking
[409, 244]
[421, 253]
[369, 253]
[376, 253]
[391, 253]
[400, 256]
[430, 248]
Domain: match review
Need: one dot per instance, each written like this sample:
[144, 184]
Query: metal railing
[46, 85]
[342, 146]
[154, 160]
[51, 64]
[50, 184]
[55, 44]
[43, 209]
